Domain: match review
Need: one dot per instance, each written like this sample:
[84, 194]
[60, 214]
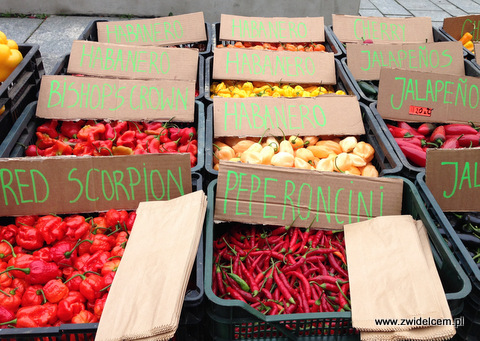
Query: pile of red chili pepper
[56, 270]
[414, 141]
[282, 270]
[112, 138]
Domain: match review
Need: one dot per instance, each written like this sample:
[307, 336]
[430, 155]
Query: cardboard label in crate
[252, 116]
[453, 177]
[135, 62]
[260, 194]
[458, 26]
[70, 97]
[90, 184]
[356, 29]
[287, 30]
[406, 95]
[366, 60]
[170, 30]
[274, 66]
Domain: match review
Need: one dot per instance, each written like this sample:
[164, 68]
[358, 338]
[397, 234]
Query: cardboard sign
[135, 62]
[319, 115]
[274, 66]
[174, 30]
[428, 97]
[453, 177]
[70, 97]
[366, 60]
[90, 184]
[279, 195]
[458, 26]
[272, 30]
[356, 29]
[476, 47]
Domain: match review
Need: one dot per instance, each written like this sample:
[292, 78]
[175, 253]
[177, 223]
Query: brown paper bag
[146, 296]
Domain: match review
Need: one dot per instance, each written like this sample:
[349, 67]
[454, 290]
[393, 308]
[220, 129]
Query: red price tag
[420, 111]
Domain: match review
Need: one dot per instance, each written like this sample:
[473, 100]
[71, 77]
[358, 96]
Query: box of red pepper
[33, 136]
[239, 303]
[55, 273]
[20, 88]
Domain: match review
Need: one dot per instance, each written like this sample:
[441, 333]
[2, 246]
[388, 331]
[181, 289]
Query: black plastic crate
[91, 33]
[409, 170]
[233, 319]
[191, 317]
[21, 87]
[385, 159]
[23, 131]
[365, 97]
[331, 44]
[456, 245]
[447, 37]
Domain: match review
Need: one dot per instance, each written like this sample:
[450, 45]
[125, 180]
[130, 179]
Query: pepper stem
[40, 291]
[67, 254]
[8, 322]
[11, 247]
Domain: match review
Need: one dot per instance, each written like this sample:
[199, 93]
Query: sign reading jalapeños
[451, 98]
[90, 184]
[453, 177]
[171, 30]
[288, 30]
[260, 194]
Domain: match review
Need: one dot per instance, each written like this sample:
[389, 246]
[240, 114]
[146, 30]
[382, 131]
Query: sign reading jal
[90, 184]
[272, 30]
[171, 30]
[70, 97]
[453, 177]
[260, 194]
[446, 98]
[356, 29]
[274, 66]
[252, 116]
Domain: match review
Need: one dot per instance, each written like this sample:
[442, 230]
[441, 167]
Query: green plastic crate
[234, 320]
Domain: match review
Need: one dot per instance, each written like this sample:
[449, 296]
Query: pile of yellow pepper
[240, 89]
[10, 56]
[467, 42]
[333, 154]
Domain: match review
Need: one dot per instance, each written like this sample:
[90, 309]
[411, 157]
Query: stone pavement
[56, 33]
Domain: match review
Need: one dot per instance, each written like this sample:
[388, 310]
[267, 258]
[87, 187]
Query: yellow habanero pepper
[370, 170]
[241, 146]
[310, 140]
[301, 164]
[348, 144]
[330, 144]
[364, 150]
[320, 151]
[353, 171]
[342, 163]
[272, 142]
[469, 46]
[266, 155]
[222, 153]
[326, 164]
[296, 141]
[304, 154]
[251, 157]
[357, 161]
[466, 38]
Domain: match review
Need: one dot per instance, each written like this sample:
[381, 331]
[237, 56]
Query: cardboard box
[288, 30]
[279, 196]
[170, 30]
[458, 26]
[417, 96]
[366, 60]
[452, 177]
[90, 184]
[356, 29]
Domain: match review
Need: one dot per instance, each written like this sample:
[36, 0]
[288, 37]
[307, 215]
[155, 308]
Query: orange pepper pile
[467, 42]
[306, 47]
[333, 154]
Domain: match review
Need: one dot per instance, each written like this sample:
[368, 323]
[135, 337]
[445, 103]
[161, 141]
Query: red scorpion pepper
[55, 290]
[8, 233]
[29, 237]
[84, 317]
[91, 133]
[49, 128]
[71, 128]
[37, 316]
[58, 148]
[70, 306]
[51, 227]
[33, 295]
[6, 316]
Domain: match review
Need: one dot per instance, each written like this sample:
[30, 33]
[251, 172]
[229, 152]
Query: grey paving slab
[434, 15]
[19, 29]
[55, 37]
[468, 6]
[370, 13]
[419, 5]
[366, 4]
[390, 7]
[450, 8]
